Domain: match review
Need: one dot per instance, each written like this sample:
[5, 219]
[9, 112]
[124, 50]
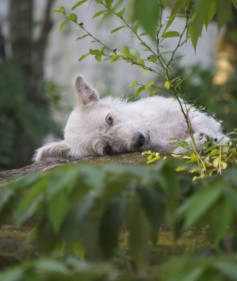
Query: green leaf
[78, 4]
[73, 17]
[135, 55]
[84, 56]
[117, 29]
[223, 18]
[98, 57]
[216, 162]
[231, 196]
[97, 53]
[60, 10]
[185, 269]
[13, 274]
[98, 178]
[148, 85]
[126, 51]
[170, 34]
[191, 209]
[194, 274]
[148, 14]
[76, 218]
[139, 232]
[108, 3]
[57, 209]
[115, 58]
[235, 3]
[110, 225]
[24, 182]
[138, 91]
[31, 201]
[51, 266]
[61, 179]
[228, 268]
[167, 85]
[178, 6]
[82, 37]
[63, 24]
[194, 32]
[134, 83]
[6, 203]
[89, 232]
[152, 58]
[5, 195]
[220, 217]
[99, 13]
[204, 11]
[146, 71]
[164, 2]
[153, 92]
[153, 205]
[121, 12]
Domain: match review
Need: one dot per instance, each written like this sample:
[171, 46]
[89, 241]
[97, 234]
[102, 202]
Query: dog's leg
[52, 151]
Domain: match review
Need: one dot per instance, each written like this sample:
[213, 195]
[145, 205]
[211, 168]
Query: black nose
[140, 140]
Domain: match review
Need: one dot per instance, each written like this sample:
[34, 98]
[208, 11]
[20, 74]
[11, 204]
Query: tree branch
[41, 42]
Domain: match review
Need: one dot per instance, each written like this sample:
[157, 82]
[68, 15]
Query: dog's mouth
[139, 143]
[148, 138]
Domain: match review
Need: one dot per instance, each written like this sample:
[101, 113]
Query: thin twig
[114, 51]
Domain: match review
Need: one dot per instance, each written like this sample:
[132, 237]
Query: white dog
[110, 125]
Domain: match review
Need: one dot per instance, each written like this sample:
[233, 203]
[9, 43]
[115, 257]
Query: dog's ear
[85, 93]
[52, 151]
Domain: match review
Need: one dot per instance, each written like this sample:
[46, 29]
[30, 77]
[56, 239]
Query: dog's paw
[179, 150]
[199, 138]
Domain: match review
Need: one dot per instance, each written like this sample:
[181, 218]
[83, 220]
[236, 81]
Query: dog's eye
[108, 149]
[109, 120]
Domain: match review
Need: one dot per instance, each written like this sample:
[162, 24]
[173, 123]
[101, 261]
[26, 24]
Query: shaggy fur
[110, 125]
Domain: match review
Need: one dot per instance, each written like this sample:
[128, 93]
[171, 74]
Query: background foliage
[25, 116]
[20, 121]
[82, 213]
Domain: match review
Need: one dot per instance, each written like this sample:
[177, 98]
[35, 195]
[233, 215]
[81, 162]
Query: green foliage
[142, 12]
[198, 15]
[221, 100]
[200, 268]
[81, 213]
[18, 116]
[214, 159]
[94, 202]
[71, 269]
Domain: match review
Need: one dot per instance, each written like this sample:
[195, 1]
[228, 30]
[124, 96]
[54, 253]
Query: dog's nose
[140, 140]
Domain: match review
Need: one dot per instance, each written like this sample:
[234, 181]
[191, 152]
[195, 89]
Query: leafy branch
[116, 55]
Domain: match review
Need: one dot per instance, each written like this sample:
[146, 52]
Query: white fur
[110, 125]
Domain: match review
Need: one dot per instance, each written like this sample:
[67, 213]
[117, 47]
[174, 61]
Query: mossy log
[43, 167]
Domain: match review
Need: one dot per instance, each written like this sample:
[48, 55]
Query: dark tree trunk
[2, 46]
[29, 55]
[21, 22]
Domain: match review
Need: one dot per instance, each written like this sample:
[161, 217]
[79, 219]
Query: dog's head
[102, 126]
[98, 126]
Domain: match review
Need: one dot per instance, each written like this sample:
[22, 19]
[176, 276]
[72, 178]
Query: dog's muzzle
[141, 140]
